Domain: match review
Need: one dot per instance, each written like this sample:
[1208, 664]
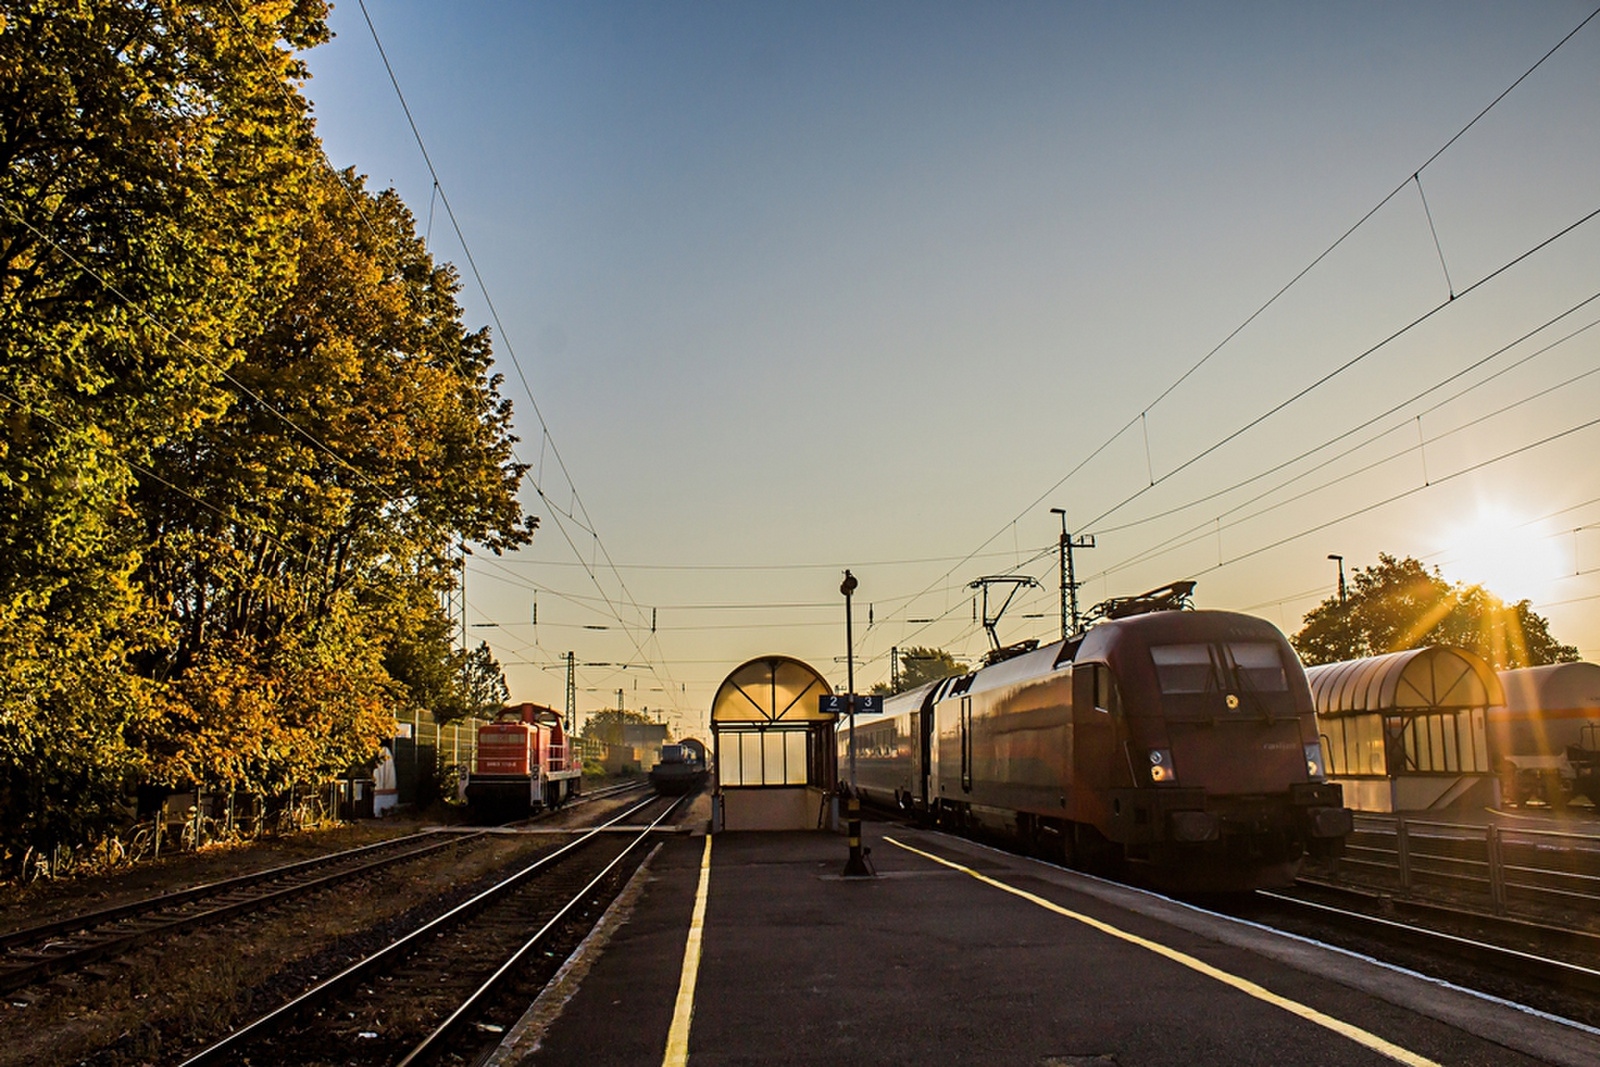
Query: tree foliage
[608, 726]
[241, 422]
[1398, 604]
[919, 666]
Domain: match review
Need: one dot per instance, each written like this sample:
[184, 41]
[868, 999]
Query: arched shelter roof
[1435, 678]
[770, 690]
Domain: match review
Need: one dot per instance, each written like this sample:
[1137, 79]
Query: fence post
[1402, 846]
[1497, 871]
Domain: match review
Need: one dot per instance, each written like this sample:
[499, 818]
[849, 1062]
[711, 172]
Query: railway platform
[955, 953]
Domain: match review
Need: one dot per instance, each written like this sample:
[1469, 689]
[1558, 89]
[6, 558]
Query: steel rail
[397, 948]
[84, 920]
[476, 998]
[27, 973]
[1540, 968]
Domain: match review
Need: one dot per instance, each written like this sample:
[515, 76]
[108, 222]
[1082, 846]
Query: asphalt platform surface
[927, 964]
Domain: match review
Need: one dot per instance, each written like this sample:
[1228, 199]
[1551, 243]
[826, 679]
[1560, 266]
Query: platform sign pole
[848, 588]
[857, 866]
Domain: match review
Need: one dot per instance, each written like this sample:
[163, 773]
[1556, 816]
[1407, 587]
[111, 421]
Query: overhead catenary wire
[1414, 173]
[547, 438]
[1199, 530]
[1411, 174]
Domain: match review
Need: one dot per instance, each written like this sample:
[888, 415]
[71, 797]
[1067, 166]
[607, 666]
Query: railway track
[62, 946]
[1545, 968]
[448, 988]
[75, 943]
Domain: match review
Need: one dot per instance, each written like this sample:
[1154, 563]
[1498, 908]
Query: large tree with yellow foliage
[241, 422]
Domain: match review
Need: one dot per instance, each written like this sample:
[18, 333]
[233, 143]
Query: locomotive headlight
[1315, 764]
[1161, 769]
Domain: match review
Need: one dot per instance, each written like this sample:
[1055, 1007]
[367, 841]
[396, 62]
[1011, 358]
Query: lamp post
[857, 866]
[1339, 560]
[848, 588]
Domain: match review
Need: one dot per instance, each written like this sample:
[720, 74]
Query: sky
[785, 289]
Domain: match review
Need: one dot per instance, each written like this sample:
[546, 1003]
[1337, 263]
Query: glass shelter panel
[763, 757]
[794, 757]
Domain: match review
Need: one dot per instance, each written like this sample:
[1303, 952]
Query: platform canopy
[1436, 678]
[770, 691]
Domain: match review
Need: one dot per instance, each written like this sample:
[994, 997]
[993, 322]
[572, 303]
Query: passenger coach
[1181, 744]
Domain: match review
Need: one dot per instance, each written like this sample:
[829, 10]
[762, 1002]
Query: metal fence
[1510, 869]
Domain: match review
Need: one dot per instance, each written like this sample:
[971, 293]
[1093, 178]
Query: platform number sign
[838, 704]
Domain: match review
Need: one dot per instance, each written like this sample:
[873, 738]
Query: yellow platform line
[683, 1008]
[1338, 1026]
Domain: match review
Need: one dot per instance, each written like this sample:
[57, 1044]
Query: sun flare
[1506, 554]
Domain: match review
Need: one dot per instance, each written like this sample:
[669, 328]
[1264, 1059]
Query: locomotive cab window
[1184, 668]
[1258, 666]
[1253, 665]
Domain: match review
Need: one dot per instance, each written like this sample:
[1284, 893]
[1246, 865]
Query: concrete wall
[770, 808]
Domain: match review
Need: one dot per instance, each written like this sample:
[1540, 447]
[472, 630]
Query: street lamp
[857, 865]
[848, 588]
[1339, 560]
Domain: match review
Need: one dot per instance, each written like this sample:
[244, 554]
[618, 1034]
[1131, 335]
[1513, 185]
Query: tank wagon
[523, 764]
[681, 769]
[1175, 746]
[1546, 738]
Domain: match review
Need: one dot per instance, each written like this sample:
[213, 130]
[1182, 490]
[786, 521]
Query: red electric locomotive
[1178, 745]
[523, 763]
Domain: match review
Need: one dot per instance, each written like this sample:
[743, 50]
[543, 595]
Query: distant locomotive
[1174, 744]
[681, 769]
[523, 764]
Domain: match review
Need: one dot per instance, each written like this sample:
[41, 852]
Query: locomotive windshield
[1210, 668]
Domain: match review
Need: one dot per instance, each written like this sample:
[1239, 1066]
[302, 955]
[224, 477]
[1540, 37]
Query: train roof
[1553, 686]
[1155, 627]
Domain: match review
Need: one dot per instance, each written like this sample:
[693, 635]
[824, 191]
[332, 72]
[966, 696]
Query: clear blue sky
[806, 286]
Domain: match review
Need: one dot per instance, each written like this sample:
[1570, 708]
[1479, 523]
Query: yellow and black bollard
[858, 865]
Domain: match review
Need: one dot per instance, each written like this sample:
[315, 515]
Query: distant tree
[606, 726]
[482, 690]
[919, 666]
[1399, 604]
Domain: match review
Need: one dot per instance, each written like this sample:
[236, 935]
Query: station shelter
[1408, 731]
[773, 750]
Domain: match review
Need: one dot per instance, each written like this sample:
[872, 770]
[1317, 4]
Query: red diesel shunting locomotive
[523, 763]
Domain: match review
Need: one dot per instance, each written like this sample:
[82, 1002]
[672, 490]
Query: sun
[1508, 555]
